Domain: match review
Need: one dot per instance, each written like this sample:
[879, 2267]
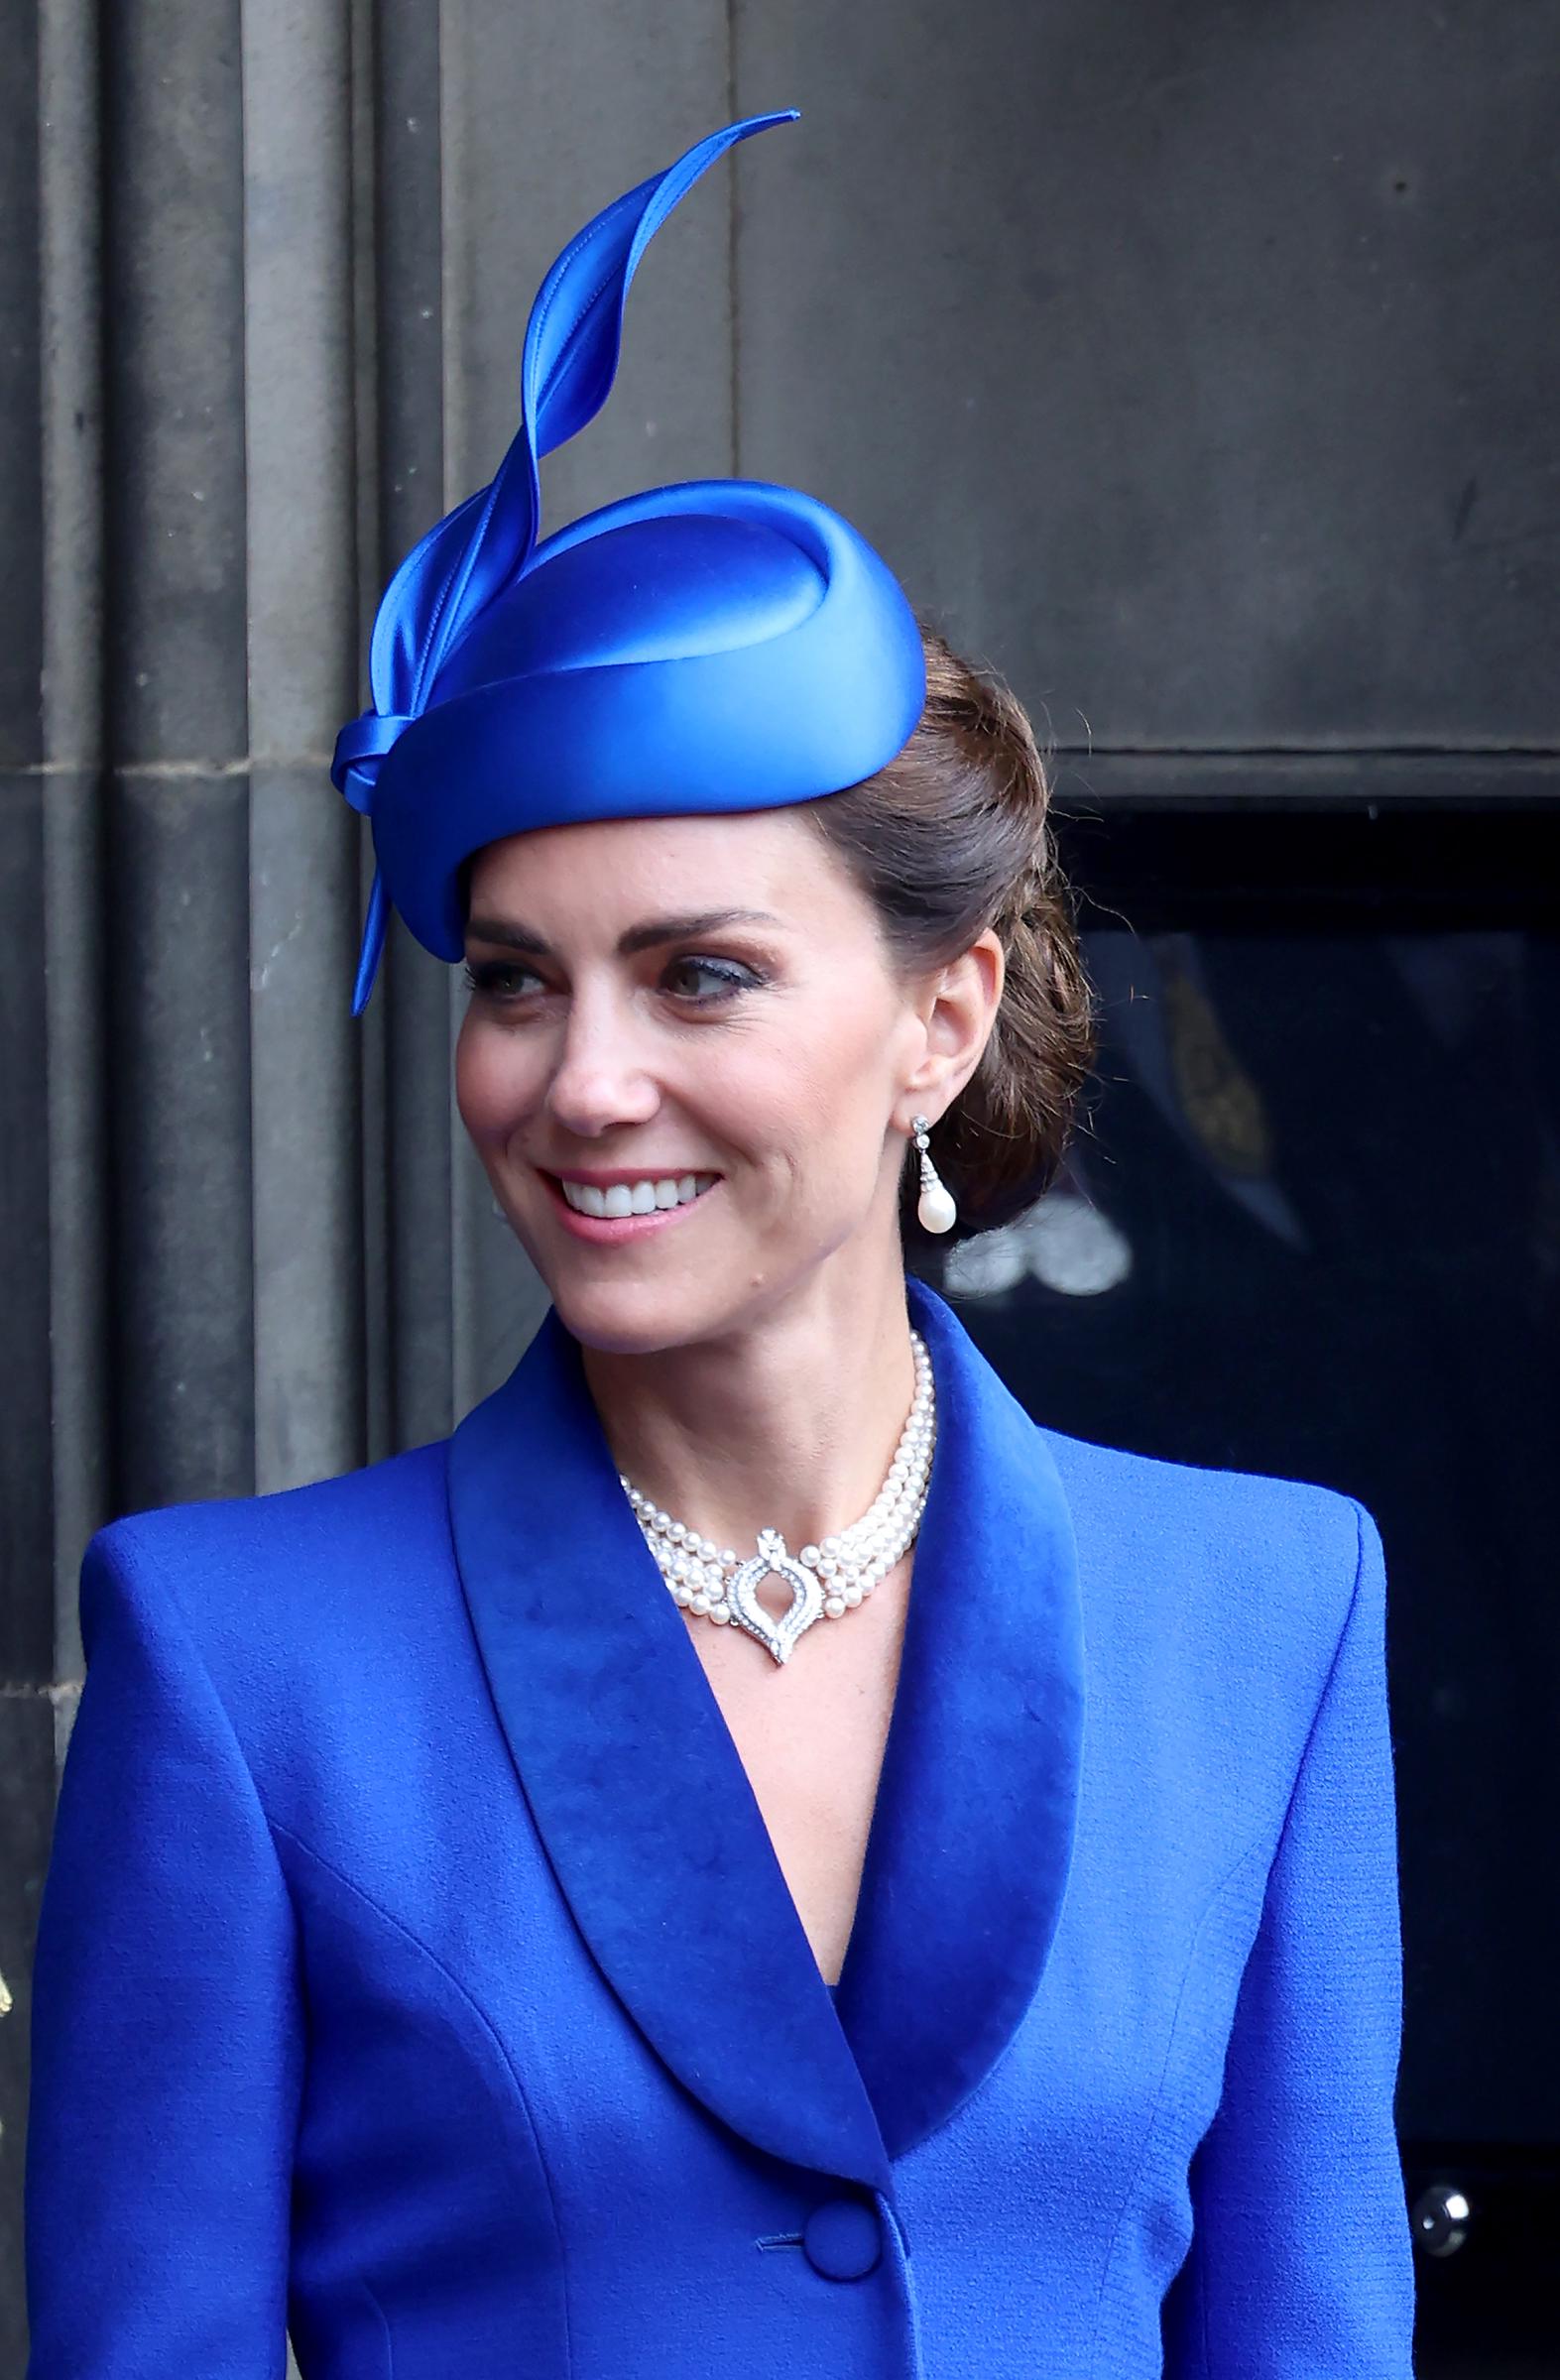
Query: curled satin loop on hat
[361, 745]
[573, 339]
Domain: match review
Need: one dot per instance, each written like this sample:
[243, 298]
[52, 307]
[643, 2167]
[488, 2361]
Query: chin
[623, 1319]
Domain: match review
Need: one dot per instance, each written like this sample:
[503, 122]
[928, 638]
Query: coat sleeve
[167, 2027]
[1300, 2265]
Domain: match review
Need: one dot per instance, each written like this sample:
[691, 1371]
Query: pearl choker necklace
[826, 1580]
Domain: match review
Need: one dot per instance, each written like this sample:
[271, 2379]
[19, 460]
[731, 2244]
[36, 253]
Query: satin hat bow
[719, 644]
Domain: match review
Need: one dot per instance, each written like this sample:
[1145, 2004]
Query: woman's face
[696, 1018]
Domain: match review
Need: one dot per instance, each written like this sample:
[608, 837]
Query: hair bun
[950, 838]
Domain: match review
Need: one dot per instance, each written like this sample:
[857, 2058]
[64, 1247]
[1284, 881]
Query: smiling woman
[751, 1853]
[776, 1051]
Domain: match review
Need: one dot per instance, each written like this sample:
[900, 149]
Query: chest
[810, 1735]
[534, 2111]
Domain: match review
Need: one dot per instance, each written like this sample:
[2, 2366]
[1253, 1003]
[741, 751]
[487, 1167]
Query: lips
[611, 1202]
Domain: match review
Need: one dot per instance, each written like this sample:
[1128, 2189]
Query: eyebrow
[512, 933]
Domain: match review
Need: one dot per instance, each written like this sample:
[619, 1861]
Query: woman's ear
[958, 1009]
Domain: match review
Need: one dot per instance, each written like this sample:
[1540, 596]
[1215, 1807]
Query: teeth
[637, 1198]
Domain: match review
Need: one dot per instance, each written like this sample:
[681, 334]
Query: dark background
[1196, 366]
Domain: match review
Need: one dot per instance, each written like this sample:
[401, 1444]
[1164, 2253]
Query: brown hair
[950, 838]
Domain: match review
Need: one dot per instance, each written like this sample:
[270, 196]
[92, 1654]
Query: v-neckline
[633, 1781]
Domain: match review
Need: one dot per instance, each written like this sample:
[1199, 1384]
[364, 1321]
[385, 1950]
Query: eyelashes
[500, 979]
[486, 976]
[730, 976]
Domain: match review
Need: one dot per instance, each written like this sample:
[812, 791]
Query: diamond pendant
[777, 1637]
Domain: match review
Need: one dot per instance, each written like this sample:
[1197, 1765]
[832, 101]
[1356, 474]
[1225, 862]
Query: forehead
[773, 860]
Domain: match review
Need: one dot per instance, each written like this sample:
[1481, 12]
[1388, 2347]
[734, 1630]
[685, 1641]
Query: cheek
[492, 1085]
[862, 1056]
[832, 1112]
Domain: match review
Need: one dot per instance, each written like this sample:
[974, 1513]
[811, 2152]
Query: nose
[599, 1077]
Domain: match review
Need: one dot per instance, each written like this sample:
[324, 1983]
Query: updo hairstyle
[950, 838]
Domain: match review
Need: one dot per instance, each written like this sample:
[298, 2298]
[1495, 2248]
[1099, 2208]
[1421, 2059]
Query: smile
[613, 1208]
[613, 1202]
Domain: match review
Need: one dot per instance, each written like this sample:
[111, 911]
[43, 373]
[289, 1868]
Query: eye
[499, 979]
[707, 981]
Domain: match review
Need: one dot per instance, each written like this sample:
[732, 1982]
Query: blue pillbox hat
[721, 644]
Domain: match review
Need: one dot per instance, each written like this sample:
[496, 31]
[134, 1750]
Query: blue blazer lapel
[972, 1832]
[632, 1779]
[659, 1844]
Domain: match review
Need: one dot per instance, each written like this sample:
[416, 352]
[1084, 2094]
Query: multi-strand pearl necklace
[827, 1580]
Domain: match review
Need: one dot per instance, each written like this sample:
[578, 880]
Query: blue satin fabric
[720, 645]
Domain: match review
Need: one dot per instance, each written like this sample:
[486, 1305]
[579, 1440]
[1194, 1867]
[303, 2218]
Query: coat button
[842, 2239]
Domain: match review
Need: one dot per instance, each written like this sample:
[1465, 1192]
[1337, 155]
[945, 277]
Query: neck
[789, 1422]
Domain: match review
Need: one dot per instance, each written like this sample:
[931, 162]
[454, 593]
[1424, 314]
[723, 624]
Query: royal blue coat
[414, 1971]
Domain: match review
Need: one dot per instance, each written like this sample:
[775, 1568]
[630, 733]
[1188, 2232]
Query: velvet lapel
[972, 1830]
[633, 1780]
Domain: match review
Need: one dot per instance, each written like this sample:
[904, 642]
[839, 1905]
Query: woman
[455, 1860]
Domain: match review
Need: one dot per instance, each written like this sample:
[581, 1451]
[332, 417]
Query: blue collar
[659, 1844]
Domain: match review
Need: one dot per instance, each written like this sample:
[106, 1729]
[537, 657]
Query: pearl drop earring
[935, 1210]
